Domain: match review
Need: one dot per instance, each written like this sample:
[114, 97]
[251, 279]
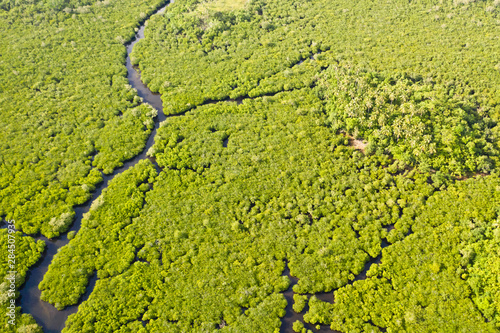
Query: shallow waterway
[44, 313]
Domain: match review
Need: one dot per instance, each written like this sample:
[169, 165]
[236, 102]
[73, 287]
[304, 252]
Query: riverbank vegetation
[19, 253]
[222, 217]
[433, 280]
[68, 113]
[99, 233]
[257, 172]
[274, 176]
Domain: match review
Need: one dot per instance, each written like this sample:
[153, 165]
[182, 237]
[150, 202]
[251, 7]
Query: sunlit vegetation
[211, 239]
[26, 253]
[245, 189]
[222, 5]
[68, 113]
[222, 55]
[431, 125]
[433, 106]
[190, 57]
[433, 280]
[100, 233]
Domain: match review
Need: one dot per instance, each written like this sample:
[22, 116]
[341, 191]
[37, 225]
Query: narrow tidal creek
[46, 315]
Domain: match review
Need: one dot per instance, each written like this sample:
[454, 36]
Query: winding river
[46, 315]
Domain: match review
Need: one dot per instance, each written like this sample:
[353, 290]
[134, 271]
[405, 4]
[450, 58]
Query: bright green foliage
[440, 116]
[298, 327]
[299, 302]
[319, 312]
[191, 56]
[419, 285]
[483, 276]
[482, 260]
[245, 188]
[296, 77]
[55, 5]
[67, 109]
[27, 252]
[231, 203]
[331, 198]
[133, 291]
[222, 5]
[101, 233]
[426, 124]
[206, 55]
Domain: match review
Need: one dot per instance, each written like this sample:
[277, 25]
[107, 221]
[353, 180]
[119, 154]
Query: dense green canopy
[68, 113]
[19, 253]
[354, 143]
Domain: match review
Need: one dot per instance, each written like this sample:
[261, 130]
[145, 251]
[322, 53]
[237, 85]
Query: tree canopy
[353, 144]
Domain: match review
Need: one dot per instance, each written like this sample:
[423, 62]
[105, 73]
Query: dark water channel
[291, 316]
[44, 313]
